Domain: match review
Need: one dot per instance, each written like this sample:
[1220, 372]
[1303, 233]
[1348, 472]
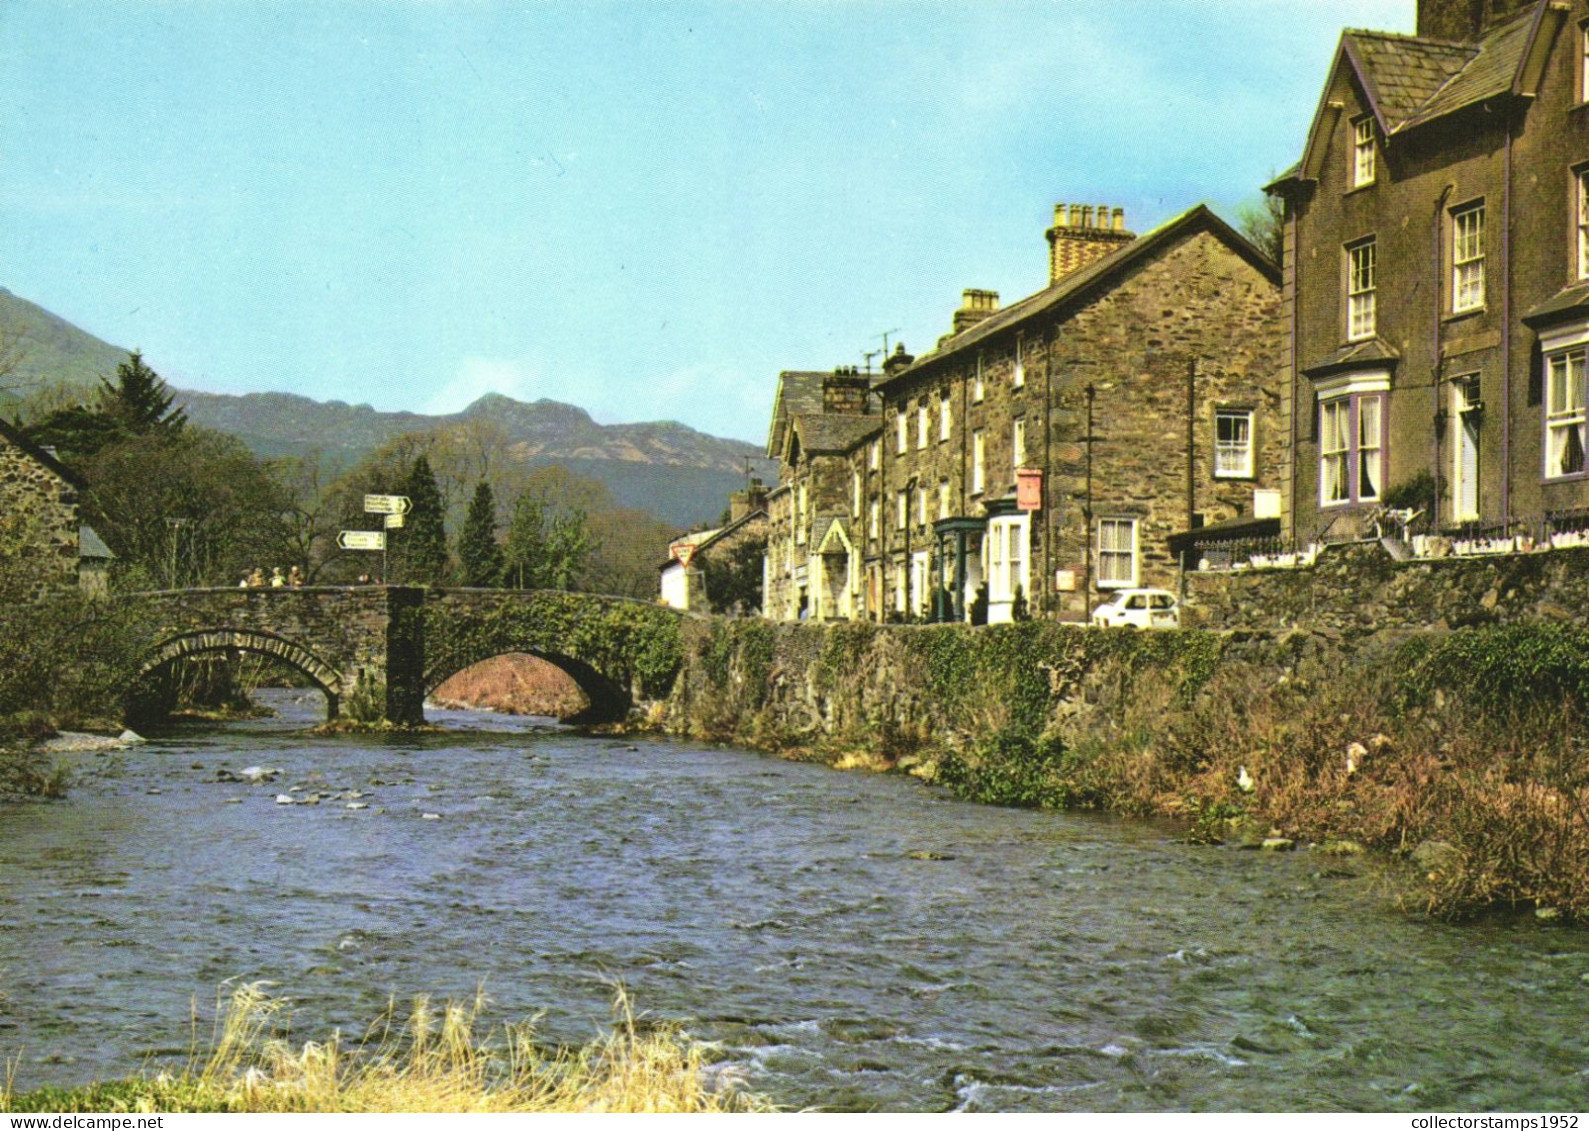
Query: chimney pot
[1119, 220]
[1086, 215]
[1059, 216]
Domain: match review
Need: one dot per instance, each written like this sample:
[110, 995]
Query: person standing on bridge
[295, 578]
[276, 579]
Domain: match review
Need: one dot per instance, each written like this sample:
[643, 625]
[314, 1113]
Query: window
[921, 423]
[977, 388]
[1018, 442]
[945, 416]
[943, 498]
[1117, 553]
[1564, 414]
[1006, 542]
[918, 582]
[800, 516]
[978, 455]
[876, 519]
[921, 506]
[875, 458]
[1362, 152]
[899, 587]
[1360, 291]
[855, 493]
[1233, 443]
[1467, 259]
[1583, 61]
[1018, 377]
[1351, 448]
[1583, 223]
[903, 431]
[903, 516]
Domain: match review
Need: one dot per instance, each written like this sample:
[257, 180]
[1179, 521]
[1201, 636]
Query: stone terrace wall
[1359, 590]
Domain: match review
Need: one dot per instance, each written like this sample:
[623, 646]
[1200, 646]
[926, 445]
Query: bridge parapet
[407, 640]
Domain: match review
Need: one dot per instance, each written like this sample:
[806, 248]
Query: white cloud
[478, 376]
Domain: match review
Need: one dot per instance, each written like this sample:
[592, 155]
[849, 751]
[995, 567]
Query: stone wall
[1358, 590]
[38, 526]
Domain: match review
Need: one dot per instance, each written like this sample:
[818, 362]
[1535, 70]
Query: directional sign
[393, 521]
[386, 504]
[362, 540]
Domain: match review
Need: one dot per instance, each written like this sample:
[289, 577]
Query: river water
[842, 940]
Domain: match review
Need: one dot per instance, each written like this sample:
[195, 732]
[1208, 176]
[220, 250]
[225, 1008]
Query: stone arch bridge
[395, 645]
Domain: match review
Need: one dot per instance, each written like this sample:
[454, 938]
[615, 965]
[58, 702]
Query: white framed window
[903, 517]
[902, 429]
[945, 416]
[1007, 542]
[1018, 374]
[1233, 443]
[1467, 259]
[979, 451]
[1360, 282]
[855, 493]
[874, 459]
[800, 516]
[978, 389]
[921, 423]
[943, 498]
[1583, 61]
[918, 582]
[1363, 152]
[875, 521]
[1351, 447]
[1582, 194]
[1117, 553]
[1018, 441]
[1564, 413]
[899, 587]
[921, 506]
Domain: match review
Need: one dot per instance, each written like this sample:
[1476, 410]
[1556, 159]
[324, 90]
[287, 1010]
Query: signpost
[362, 540]
[394, 521]
[387, 504]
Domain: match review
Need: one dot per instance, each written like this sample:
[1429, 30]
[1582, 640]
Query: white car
[1138, 608]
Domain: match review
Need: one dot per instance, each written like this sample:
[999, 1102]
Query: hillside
[669, 469]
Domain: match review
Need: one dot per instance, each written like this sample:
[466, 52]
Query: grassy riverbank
[438, 1059]
[1455, 752]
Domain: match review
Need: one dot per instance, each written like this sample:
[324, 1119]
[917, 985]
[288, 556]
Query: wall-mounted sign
[1029, 489]
[1064, 581]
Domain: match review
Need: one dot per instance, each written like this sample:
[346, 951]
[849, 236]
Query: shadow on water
[840, 940]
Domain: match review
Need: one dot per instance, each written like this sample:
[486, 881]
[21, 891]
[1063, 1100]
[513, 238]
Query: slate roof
[91, 545]
[1402, 73]
[1563, 304]
[702, 539]
[1079, 285]
[1492, 70]
[1374, 351]
[833, 432]
[799, 393]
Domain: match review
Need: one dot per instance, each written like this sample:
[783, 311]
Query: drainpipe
[1191, 440]
[1434, 350]
[1092, 584]
[1048, 469]
[1506, 329]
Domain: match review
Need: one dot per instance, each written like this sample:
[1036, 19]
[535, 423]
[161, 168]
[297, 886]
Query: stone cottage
[683, 575]
[38, 520]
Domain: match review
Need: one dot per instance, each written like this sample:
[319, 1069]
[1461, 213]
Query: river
[841, 940]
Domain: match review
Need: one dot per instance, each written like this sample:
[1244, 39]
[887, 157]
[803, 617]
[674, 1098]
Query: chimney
[975, 305]
[897, 362]
[1464, 21]
[845, 391]
[1083, 234]
[748, 501]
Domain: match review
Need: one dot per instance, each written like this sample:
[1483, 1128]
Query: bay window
[1352, 445]
[1564, 413]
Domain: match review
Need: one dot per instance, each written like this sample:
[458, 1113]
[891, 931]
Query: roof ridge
[1404, 37]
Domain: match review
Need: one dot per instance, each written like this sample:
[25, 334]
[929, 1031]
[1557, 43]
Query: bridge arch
[607, 701]
[325, 677]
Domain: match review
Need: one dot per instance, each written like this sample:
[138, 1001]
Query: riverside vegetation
[438, 1059]
[1458, 751]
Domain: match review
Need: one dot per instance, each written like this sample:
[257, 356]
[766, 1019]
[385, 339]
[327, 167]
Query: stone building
[683, 575]
[1047, 451]
[38, 520]
[814, 563]
[1437, 278]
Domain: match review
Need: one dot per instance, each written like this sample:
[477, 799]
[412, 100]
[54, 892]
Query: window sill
[1575, 477]
[1247, 477]
[1461, 315]
[1364, 187]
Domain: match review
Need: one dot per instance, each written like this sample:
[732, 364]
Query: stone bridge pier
[385, 648]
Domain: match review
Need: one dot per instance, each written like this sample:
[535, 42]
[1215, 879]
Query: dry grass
[436, 1060]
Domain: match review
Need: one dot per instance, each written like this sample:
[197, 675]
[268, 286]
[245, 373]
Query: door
[1465, 457]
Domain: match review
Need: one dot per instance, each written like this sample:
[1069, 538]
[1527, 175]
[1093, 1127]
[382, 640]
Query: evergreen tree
[424, 536]
[139, 400]
[547, 549]
[526, 551]
[479, 556]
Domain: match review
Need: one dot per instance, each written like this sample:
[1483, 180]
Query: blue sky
[645, 209]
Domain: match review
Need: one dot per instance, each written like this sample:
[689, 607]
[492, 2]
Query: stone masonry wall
[38, 527]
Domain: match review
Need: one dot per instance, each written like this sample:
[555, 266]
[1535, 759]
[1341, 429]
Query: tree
[526, 551]
[424, 559]
[479, 555]
[733, 579]
[547, 548]
[140, 400]
[1264, 225]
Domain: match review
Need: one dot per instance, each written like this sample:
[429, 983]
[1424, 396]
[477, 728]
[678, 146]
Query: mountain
[680, 475]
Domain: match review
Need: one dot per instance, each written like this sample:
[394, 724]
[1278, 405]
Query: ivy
[1498, 671]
